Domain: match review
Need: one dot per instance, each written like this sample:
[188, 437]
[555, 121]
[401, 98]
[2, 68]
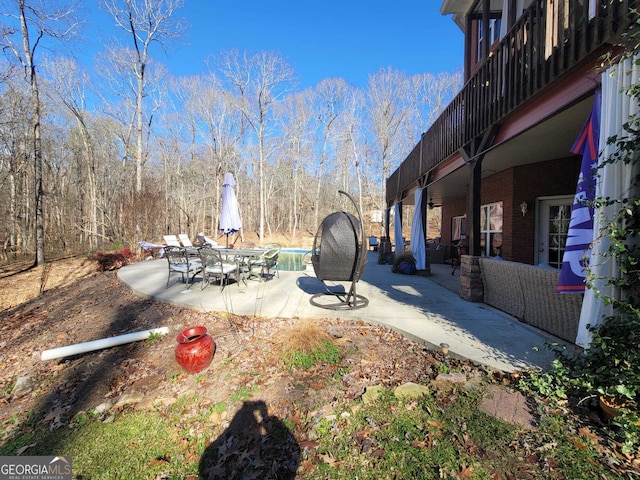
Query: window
[560, 217]
[494, 34]
[491, 229]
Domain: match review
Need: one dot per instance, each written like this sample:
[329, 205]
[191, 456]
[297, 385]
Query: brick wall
[556, 177]
[512, 187]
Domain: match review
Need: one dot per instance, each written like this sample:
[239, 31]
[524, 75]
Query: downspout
[100, 344]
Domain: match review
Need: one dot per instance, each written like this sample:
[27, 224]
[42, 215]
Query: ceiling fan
[432, 205]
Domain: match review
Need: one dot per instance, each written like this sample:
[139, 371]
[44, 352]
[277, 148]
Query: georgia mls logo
[35, 468]
[59, 465]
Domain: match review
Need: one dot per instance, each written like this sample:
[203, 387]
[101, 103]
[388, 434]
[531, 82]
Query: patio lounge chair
[340, 254]
[205, 241]
[215, 266]
[184, 239]
[172, 241]
[181, 262]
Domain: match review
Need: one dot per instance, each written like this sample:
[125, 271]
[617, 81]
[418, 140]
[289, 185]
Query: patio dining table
[242, 257]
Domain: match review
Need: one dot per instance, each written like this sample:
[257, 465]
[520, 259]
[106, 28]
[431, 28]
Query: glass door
[553, 216]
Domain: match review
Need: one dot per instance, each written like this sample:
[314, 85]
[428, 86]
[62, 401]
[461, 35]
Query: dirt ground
[70, 302]
[80, 304]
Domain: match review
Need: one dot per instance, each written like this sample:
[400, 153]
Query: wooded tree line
[104, 155]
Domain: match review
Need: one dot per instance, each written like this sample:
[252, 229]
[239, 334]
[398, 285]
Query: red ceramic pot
[195, 349]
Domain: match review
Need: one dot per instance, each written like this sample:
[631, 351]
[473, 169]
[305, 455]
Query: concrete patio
[425, 309]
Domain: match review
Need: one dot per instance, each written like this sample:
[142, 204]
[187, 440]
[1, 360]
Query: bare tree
[295, 117]
[352, 132]
[328, 99]
[14, 128]
[36, 22]
[386, 102]
[67, 87]
[428, 94]
[258, 81]
[218, 129]
[145, 22]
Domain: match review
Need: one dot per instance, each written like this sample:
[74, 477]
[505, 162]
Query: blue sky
[348, 39]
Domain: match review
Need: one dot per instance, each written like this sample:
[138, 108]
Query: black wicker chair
[340, 254]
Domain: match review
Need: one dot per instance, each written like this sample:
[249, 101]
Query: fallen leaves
[421, 444]
[54, 417]
[329, 460]
[308, 444]
[99, 305]
[466, 472]
[435, 424]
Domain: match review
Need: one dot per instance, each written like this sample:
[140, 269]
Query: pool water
[292, 259]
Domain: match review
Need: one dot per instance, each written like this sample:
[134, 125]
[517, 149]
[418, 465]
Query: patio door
[552, 226]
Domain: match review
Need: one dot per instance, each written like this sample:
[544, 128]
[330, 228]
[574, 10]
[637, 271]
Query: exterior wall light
[524, 208]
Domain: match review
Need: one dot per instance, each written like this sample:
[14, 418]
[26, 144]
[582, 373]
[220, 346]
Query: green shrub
[610, 366]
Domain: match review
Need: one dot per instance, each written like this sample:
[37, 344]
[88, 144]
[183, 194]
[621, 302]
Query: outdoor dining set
[218, 264]
[339, 254]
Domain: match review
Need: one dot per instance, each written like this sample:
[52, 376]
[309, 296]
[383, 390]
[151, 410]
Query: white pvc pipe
[99, 344]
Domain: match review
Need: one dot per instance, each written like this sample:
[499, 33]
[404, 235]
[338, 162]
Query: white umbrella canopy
[230, 221]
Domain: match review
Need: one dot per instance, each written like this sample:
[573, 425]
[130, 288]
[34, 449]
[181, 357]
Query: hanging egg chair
[340, 255]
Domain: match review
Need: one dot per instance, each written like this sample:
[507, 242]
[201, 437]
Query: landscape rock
[103, 407]
[452, 377]
[411, 390]
[473, 384]
[371, 394]
[334, 332]
[129, 399]
[23, 386]
[508, 406]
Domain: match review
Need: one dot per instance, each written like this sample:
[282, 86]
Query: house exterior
[498, 159]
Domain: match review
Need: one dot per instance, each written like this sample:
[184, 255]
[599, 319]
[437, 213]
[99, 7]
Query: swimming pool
[293, 259]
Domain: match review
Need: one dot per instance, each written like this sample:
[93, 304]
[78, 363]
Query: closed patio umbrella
[230, 218]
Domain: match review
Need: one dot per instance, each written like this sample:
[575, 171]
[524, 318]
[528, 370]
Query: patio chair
[340, 254]
[181, 262]
[172, 241]
[458, 248]
[215, 266]
[268, 261]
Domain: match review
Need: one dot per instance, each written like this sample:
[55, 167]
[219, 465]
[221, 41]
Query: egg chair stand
[340, 254]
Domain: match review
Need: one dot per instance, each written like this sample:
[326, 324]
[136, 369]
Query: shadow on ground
[254, 446]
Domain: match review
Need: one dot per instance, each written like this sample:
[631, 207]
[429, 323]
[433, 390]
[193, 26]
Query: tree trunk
[37, 141]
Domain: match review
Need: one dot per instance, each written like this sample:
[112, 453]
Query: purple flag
[580, 235]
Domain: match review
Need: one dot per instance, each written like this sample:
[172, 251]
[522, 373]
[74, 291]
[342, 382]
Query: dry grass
[304, 337]
[19, 283]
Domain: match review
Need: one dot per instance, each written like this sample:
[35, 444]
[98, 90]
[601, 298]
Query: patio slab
[419, 307]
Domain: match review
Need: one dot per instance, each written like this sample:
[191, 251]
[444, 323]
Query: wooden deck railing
[541, 47]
